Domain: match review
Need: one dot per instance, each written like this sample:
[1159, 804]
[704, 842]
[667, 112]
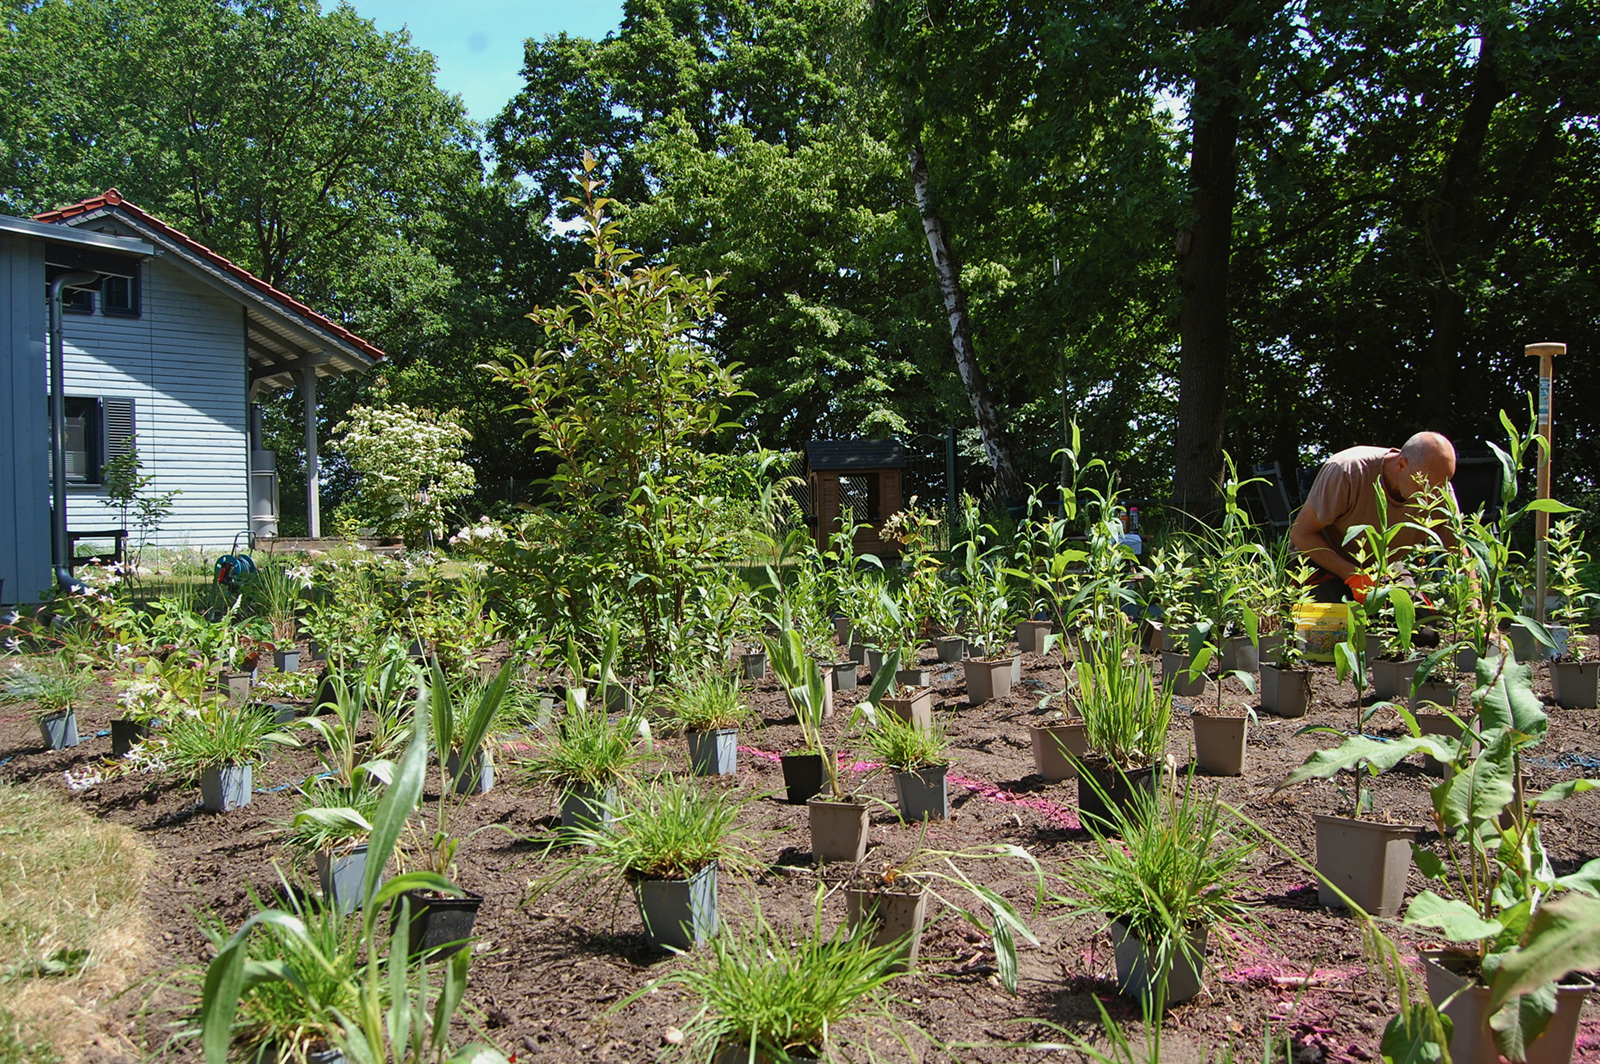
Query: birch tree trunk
[955, 305]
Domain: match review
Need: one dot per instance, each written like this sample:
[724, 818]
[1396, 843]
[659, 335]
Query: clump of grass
[902, 746]
[777, 993]
[584, 748]
[282, 1019]
[708, 702]
[72, 931]
[224, 735]
[50, 685]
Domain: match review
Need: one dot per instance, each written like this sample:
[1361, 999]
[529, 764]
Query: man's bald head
[1428, 455]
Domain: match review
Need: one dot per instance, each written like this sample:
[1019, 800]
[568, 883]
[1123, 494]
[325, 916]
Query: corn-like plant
[1125, 711]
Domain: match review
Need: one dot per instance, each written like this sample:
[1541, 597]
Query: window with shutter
[96, 431]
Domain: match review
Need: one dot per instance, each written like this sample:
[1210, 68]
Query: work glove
[1359, 584]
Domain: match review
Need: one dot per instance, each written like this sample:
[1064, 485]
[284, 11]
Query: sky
[478, 43]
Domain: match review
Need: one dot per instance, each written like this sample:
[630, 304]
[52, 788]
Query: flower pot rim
[1374, 825]
[1436, 957]
[1225, 713]
[857, 885]
[1075, 722]
[919, 768]
[849, 799]
[634, 877]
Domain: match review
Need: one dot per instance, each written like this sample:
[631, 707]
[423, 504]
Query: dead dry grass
[72, 929]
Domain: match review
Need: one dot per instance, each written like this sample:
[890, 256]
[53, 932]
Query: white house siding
[183, 363]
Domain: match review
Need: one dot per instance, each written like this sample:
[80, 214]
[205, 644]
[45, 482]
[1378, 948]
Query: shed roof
[843, 456]
[284, 335]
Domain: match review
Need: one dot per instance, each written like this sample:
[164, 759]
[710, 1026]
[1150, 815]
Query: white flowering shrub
[410, 465]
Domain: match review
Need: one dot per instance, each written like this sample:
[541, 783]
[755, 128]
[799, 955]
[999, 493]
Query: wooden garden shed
[857, 481]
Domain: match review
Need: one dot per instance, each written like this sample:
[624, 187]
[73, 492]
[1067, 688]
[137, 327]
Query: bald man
[1343, 496]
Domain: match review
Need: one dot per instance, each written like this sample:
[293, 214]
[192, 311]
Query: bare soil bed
[545, 978]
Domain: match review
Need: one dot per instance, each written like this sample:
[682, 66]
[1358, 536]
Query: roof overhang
[75, 249]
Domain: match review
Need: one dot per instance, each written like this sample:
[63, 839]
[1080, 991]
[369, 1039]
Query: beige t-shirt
[1343, 496]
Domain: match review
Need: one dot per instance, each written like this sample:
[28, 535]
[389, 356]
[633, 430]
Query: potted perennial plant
[1163, 879]
[919, 758]
[1126, 714]
[1574, 676]
[666, 843]
[710, 707]
[52, 688]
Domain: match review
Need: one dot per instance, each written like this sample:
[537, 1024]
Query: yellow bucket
[1320, 627]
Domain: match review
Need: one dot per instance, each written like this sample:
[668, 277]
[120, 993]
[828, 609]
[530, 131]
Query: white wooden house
[166, 347]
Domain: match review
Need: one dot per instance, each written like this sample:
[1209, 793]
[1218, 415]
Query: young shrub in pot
[1514, 928]
[1171, 877]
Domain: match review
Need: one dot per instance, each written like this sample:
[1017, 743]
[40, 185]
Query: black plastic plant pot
[440, 924]
[126, 734]
[802, 775]
[1118, 787]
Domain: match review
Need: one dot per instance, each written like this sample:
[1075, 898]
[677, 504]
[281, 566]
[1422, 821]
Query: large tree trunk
[1204, 329]
[955, 304]
[1449, 226]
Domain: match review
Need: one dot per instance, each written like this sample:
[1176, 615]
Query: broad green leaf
[225, 977]
[1416, 1036]
[1481, 790]
[1565, 789]
[1455, 920]
[1505, 698]
[1361, 749]
[336, 817]
[1523, 1019]
[1563, 936]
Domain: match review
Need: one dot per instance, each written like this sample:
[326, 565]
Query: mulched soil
[545, 976]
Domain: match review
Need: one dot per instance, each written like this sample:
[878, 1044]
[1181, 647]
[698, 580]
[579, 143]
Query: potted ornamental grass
[219, 745]
[919, 759]
[1574, 676]
[710, 707]
[1126, 713]
[1163, 879]
[53, 688]
[666, 841]
[767, 994]
[331, 826]
[585, 756]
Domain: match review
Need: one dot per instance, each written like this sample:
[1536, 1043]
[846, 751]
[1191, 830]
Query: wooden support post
[1546, 353]
[308, 399]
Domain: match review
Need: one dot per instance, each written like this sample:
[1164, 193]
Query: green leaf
[1565, 789]
[1563, 936]
[1481, 790]
[1455, 920]
[1359, 749]
[1585, 879]
[396, 806]
[225, 979]
[1505, 698]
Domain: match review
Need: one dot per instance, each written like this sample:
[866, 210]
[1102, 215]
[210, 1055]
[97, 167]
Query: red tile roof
[111, 198]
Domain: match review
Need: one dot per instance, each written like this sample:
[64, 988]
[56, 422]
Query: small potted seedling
[219, 745]
[1126, 714]
[838, 818]
[710, 708]
[893, 901]
[667, 841]
[919, 758]
[52, 689]
[986, 591]
[1574, 676]
[1285, 676]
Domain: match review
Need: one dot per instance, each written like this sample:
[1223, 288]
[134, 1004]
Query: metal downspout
[58, 428]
